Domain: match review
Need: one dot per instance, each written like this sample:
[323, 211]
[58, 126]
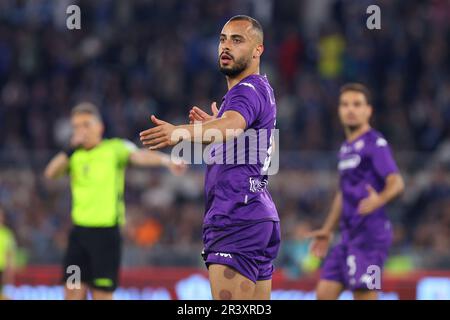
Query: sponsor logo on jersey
[350, 162]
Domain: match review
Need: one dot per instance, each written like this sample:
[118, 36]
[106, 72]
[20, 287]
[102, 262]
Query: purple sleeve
[244, 99]
[383, 161]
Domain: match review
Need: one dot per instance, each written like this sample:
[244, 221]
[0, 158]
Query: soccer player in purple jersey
[241, 232]
[369, 179]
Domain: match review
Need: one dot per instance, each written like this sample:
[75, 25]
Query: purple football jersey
[236, 187]
[365, 161]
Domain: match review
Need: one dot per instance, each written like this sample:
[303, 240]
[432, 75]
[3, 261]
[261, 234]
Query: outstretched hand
[159, 136]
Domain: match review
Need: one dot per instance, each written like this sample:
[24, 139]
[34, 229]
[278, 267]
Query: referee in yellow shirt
[97, 174]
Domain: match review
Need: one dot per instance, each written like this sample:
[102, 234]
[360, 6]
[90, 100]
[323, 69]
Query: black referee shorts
[97, 253]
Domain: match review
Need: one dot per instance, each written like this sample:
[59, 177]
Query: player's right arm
[322, 237]
[164, 134]
[243, 109]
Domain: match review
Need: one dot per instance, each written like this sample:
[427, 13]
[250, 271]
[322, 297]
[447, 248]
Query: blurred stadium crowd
[136, 58]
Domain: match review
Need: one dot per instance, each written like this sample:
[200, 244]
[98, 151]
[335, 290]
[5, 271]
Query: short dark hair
[86, 108]
[358, 87]
[255, 23]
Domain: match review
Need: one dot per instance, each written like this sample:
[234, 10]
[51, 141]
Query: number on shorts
[351, 263]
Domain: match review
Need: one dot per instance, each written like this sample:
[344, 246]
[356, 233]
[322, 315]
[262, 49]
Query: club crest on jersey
[257, 185]
[350, 162]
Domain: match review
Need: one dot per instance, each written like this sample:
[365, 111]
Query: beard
[354, 127]
[239, 66]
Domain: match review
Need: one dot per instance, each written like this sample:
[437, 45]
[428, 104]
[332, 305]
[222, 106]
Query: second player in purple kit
[364, 163]
[241, 231]
[369, 179]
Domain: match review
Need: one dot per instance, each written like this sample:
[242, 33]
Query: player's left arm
[231, 124]
[385, 166]
[394, 186]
